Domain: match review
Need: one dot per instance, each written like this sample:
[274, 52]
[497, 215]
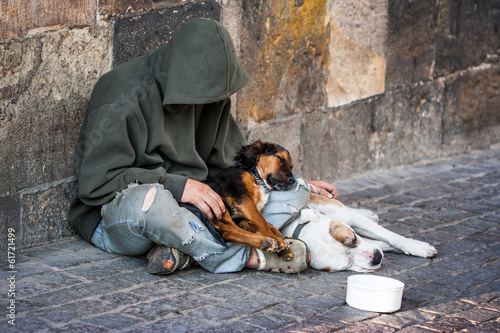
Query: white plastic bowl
[374, 293]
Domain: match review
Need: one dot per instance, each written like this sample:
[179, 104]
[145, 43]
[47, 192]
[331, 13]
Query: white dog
[332, 232]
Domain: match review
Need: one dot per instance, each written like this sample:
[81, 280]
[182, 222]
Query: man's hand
[202, 196]
[323, 188]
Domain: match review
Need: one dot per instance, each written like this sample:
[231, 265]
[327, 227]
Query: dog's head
[335, 246]
[270, 161]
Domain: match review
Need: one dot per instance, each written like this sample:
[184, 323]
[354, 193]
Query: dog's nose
[377, 257]
[291, 179]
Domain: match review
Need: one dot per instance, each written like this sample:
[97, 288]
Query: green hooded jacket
[161, 118]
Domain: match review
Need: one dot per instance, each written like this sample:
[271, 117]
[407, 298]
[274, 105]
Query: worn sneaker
[271, 262]
[166, 260]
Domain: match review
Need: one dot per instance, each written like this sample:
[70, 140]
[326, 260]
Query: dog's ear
[246, 156]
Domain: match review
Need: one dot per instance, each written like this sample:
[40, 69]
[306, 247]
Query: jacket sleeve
[108, 156]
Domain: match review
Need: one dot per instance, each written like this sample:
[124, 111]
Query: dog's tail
[204, 219]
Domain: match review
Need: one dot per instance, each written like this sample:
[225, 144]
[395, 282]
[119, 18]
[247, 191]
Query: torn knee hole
[293, 209]
[188, 241]
[149, 199]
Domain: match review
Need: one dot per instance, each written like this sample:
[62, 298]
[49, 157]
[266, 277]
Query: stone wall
[347, 86]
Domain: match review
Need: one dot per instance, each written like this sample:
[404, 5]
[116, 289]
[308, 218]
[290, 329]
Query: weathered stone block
[46, 82]
[471, 110]
[391, 130]
[136, 36]
[284, 48]
[467, 33]
[43, 214]
[334, 144]
[9, 218]
[18, 17]
[411, 36]
[356, 67]
[406, 127]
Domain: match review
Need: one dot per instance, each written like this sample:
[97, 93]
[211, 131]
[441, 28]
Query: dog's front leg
[253, 221]
[407, 245]
[231, 232]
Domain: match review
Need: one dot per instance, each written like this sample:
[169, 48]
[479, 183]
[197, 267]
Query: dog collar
[298, 229]
[260, 181]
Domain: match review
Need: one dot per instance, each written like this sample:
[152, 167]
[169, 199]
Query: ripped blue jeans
[144, 215]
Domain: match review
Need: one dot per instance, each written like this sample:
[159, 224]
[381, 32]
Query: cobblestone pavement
[451, 203]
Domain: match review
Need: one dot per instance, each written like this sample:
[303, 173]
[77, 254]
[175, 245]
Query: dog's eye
[282, 160]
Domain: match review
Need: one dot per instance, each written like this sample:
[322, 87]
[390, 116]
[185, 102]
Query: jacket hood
[199, 65]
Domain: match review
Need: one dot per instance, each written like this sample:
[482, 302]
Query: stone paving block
[178, 324]
[284, 292]
[347, 314]
[113, 321]
[316, 324]
[447, 307]
[457, 263]
[471, 278]
[491, 326]
[215, 313]
[149, 311]
[368, 327]
[397, 322]
[453, 247]
[478, 208]
[297, 311]
[321, 302]
[424, 293]
[32, 285]
[415, 329]
[58, 296]
[250, 303]
[478, 315]
[79, 328]
[459, 230]
[198, 275]
[449, 215]
[232, 327]
[319, 286]
[223, 290]
[269, 320]
[436, 237]
[24, 324]
[447, 324]
[400, 199]
[124, 298]
[72, 311]
[483, 238]
[66, 260]
[263, 282]
[492, 218]
[164, 287]
[417, 315]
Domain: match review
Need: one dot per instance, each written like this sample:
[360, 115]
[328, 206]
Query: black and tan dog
[259, 168]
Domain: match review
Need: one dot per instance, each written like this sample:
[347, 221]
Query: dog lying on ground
[332, 232]
[330, 229]
[260, 168]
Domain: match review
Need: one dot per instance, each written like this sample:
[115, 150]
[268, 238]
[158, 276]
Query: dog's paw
[419, 249]
[270, 245]
[286, 254]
